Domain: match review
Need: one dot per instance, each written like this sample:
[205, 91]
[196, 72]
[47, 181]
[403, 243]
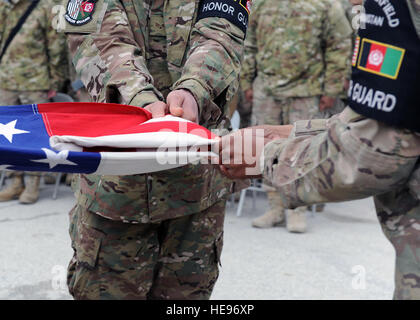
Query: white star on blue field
[24, 145]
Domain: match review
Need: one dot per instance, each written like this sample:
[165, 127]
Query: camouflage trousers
[268, 109]
[12, 98]
[244, 109]
[272, 110]
[173, 259]
[399, 214]
[11, 174]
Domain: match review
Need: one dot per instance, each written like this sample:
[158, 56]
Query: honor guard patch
[79, 12]
[380, 58]
[236, 11]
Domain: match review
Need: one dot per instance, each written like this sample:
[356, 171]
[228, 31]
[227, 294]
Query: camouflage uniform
[351, 157]
[36, 59]
[347, 6]
[340, 103]
[295, 52]
[159, 235]
[34, 63]
[244, 109]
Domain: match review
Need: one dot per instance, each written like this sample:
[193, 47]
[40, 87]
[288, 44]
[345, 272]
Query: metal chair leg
[57, 185]
[231, 201]
[254, 200]
[241, 203]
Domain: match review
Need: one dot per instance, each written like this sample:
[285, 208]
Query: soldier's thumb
[175, 102]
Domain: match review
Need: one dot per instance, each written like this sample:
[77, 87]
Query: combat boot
[13, 190]
[318, 207]
[69, 178]
[31, 192]
[50, 178]
[274, 216]
[270, 219]
[296, 220]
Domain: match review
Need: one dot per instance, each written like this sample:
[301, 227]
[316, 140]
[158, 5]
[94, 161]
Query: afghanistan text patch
[79, 12]
[236, 11]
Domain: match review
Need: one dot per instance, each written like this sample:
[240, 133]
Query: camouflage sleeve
[213, 65]
[343, 158]
[414, 7]
[337, 36]
[249, 65]
[57, 53]
[108, 60]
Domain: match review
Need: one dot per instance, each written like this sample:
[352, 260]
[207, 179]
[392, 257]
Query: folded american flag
[97, 138]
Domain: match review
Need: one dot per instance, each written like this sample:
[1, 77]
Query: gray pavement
[344, 254]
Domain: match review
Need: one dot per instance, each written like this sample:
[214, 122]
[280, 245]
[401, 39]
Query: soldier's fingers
[215, 150]
[220, 144]
[235, 172]
[189, 114]
[175, 101]
[321, 105]
[225, 171]
[226, 149]
[157, 109]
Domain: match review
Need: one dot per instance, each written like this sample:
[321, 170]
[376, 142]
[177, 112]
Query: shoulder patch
[79, 12]
[83, 16]
[236, 11]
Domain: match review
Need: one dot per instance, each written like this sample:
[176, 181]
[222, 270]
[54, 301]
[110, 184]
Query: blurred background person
[78, 93]
[297, 58]
[33, 68]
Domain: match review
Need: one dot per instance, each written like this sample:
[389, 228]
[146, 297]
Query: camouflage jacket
[36, 59]
[348, 8]
[345, 157]
[134, 52]
[300, 48]
[155, 51]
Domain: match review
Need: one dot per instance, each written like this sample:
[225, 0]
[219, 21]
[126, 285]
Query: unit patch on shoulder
[236, 11]
[79, 12]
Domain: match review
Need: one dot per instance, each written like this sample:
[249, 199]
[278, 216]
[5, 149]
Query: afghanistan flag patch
[79, 12]
[380, 58]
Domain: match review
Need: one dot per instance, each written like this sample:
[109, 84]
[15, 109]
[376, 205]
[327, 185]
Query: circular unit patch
[79, 12]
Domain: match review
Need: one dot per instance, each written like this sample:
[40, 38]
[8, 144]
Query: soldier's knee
[191, 277]
[188, 269]
[112, 260]
[407, 280]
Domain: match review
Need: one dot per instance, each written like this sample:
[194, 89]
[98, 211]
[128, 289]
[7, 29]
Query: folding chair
[256, 186]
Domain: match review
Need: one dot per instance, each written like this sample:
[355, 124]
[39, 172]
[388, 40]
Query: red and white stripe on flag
[129, 140]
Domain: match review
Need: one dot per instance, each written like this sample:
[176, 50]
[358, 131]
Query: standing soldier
[33, 67]
[295, 65]
[348, 9]
[154, 236]
[372, 148]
